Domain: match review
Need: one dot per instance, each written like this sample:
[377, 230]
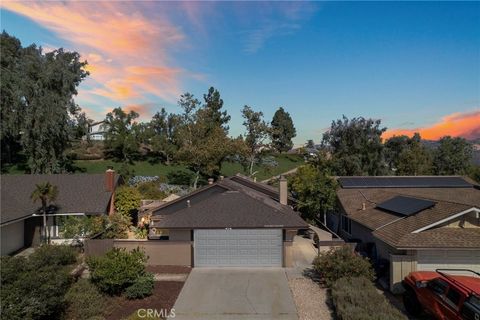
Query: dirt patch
[164, 295]
[310, 299]
[169, 269]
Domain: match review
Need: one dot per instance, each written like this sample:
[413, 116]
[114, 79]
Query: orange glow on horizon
[466, 125]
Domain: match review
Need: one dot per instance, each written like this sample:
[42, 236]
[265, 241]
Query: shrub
[84, 301]
[32, 291]
[117, 269]
[81, 226]
[180, 177]
[141, 288]
[127, 200]
[150, 190]
[57, 255]
[118, 226]
[340, 263]
[358, 299]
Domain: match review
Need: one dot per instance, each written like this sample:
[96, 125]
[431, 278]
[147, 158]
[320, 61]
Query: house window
[346, 224]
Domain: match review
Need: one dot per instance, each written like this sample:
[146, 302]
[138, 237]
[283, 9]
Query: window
[346, 224]
[453, 297]
[438, 286]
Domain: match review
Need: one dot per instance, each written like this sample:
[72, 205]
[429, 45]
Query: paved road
[236, 294]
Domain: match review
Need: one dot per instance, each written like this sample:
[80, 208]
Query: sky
[414, 65]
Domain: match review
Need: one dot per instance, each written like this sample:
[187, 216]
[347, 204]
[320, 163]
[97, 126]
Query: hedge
[358, 299]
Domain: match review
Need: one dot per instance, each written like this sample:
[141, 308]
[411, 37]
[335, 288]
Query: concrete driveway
[236, 293]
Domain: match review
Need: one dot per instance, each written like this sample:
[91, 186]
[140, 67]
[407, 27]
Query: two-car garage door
[429, 260]
[238, 248]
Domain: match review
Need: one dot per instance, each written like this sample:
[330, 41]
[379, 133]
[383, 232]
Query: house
[232, 222]
[96, 131]
[415, 223]
[78, 194]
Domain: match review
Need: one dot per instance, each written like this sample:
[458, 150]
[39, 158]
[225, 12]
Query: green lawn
[145, 168]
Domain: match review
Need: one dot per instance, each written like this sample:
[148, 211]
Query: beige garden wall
[161, 252]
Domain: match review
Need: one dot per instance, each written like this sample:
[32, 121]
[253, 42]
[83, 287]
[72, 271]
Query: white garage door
[429, 260]
[238, 248]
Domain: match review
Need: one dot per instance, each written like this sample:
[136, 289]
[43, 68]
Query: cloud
[279, 19]
[460, 124]
[127, 44]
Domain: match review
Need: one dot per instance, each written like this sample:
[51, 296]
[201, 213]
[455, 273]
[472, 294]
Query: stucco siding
[180, 235]
[160, 252]
[12, 237]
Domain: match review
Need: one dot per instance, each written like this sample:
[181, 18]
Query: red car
[442, 294]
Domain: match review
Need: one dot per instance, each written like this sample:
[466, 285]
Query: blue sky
[415, 65]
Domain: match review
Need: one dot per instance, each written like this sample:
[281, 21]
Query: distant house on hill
[96, 131]
[78, 195]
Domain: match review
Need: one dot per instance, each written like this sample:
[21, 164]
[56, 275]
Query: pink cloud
[127, 45]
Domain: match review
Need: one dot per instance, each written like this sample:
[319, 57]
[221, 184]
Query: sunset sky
[414, 65]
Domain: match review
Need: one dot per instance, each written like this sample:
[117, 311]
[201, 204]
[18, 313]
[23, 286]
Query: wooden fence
[400, 267]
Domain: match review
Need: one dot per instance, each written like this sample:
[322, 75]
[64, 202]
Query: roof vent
[188, 204]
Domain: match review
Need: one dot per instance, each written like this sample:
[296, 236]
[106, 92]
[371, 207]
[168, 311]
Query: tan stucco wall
[180, 235]
[287, 254]
[161, 252]
[12, 237]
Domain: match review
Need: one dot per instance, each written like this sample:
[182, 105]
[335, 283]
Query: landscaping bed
[163, 297]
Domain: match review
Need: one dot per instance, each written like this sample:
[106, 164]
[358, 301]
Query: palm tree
[45, 192]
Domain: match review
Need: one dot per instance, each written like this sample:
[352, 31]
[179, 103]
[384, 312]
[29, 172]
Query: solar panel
[405, 206]
[403, 182]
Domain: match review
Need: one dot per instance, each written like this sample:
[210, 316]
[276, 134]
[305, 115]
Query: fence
[400, 267]
[97, 247]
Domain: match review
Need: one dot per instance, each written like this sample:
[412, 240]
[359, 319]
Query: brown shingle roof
[442, 238]
[77, 193]
[396, 230]
[233, 205]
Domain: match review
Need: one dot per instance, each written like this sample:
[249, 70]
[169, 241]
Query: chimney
[109, 180]
[110, 187]
[210, 180]
[221, 178]
[283, 191]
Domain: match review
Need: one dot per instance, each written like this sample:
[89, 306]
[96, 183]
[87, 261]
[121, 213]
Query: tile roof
[77, 193]
[442, 238]
[232, 205]
[396, 230]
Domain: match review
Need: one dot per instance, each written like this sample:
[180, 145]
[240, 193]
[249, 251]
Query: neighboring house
[96, 131]
[78, 194]
[416, 223]
[233, 222]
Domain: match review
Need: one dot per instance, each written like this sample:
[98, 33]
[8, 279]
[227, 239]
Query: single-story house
[232, 222]
[78, 194]
[416, 223]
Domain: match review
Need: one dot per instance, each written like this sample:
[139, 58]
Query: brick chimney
[283, 190]
[110, 187]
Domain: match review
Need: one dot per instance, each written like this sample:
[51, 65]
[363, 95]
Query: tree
[453, 156]
[205, 143]
[120, 142]
[45, 193]
[37, 103]
[407, 156]
[212, 110]
[164, 130]
[310, 144]
[355, 146]
[282, 131]
[256, 132]
[315, 191]
[127, 201]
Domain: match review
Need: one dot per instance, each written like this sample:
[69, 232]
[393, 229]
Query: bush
[118, 226]
[84, 301]
[180, 177]
[116, 270]
[340, 263]
[56, 255]
[33, 291]
[82, 226]
[143, 287]
[358, 299]
[150, 190]
[127, 200]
